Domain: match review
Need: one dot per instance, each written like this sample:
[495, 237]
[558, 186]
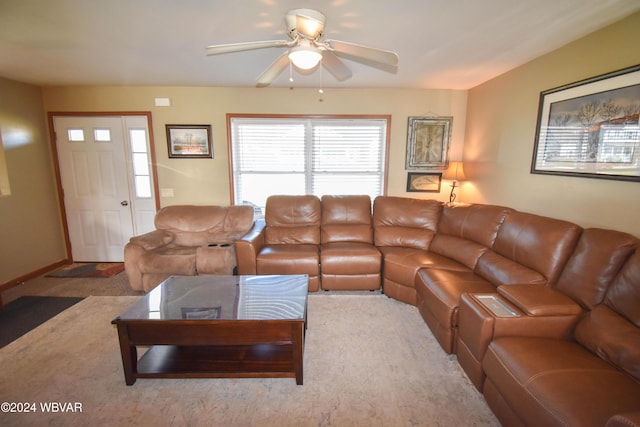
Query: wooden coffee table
[216, 327]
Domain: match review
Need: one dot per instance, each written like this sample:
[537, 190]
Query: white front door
[100, 186]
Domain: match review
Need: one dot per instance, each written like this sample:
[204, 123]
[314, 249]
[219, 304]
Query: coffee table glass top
[210, 297]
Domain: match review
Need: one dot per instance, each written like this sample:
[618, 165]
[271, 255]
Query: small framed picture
[189, 141]
[424, 182]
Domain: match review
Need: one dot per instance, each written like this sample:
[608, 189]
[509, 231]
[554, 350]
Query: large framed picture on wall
[591, 128]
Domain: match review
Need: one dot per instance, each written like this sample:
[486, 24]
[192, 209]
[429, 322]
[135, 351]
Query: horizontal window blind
[307, 156]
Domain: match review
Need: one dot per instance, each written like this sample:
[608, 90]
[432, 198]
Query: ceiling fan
[307, 47]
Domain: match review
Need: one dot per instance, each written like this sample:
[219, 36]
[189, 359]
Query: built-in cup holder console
[496, 305]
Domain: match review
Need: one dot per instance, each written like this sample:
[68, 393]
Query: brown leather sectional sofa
[543, 315]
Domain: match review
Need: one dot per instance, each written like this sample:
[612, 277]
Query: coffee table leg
[129, 355]
[298, 348]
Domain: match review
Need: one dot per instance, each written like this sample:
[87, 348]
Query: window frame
[387, 138]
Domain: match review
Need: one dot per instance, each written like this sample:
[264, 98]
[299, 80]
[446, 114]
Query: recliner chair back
[346, 219]
[292, 220]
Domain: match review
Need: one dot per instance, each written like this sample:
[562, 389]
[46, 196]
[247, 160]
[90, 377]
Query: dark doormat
[26, 313]
[89, 269]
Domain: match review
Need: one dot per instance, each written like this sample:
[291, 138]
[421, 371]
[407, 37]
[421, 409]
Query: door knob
[124, 203]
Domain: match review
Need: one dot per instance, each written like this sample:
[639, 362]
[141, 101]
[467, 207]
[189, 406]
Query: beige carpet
[368, 361]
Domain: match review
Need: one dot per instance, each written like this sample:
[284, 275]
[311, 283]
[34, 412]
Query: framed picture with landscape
[189, 141]
[591, 128]
[424, 182]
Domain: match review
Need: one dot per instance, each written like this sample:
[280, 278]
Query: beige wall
[203, 181]
[501, 125]
[30, 226]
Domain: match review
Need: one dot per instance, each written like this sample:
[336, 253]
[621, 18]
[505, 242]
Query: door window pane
[102, 135]
[75, 135]
[143, 186]
[140, 164]
[138, 140]
[140, 161]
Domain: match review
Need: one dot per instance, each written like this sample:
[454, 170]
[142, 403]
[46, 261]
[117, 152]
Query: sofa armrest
[153, 239]
[536, 300]
[248, 247]
[628, 419]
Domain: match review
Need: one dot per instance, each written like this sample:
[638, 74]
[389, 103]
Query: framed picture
[591, 128]
[201, 312]
[428, 142]
[424, 182]
[189, 141]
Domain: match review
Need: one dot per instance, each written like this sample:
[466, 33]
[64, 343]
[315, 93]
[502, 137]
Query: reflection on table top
[209, 297]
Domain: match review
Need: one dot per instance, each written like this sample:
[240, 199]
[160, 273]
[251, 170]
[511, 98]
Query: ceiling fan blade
[335, 66]
[368, 54]
[239, 47]
[274, 70]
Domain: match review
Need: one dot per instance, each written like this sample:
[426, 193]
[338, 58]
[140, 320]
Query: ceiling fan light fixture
[304, 57]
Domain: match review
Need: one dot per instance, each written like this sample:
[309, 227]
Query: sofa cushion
[346, 219]
[612, 338]
[598, 257]
[466, 231]
[533, 242]
[557, 383]
[623, 296]
[442, 289]
[476, 223]
[405, 222]
[402, 264]
[501, 270]
[292, 220]
[612, 329]
[465, 252]
[153, 239]
[201, 225]
[289, 259]
[439, 292]
[350, 258]
[190, 218]
[170, 258]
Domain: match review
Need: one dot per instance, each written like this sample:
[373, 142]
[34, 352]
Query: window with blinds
[307, 155]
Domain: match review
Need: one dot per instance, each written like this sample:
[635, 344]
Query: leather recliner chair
[291, 238]
[592, 378]
[188, 240]
[348, 258]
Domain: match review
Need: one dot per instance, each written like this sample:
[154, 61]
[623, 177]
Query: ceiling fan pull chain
[321, 90]
[290, 73]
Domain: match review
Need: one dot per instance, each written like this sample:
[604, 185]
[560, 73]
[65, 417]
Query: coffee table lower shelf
[227, 361]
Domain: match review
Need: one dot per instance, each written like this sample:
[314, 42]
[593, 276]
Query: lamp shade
[455, 171]
[305, 57]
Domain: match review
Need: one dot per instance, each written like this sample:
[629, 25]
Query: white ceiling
[454, 44]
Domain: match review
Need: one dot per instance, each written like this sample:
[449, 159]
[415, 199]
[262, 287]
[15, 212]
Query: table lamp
[454, 172]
